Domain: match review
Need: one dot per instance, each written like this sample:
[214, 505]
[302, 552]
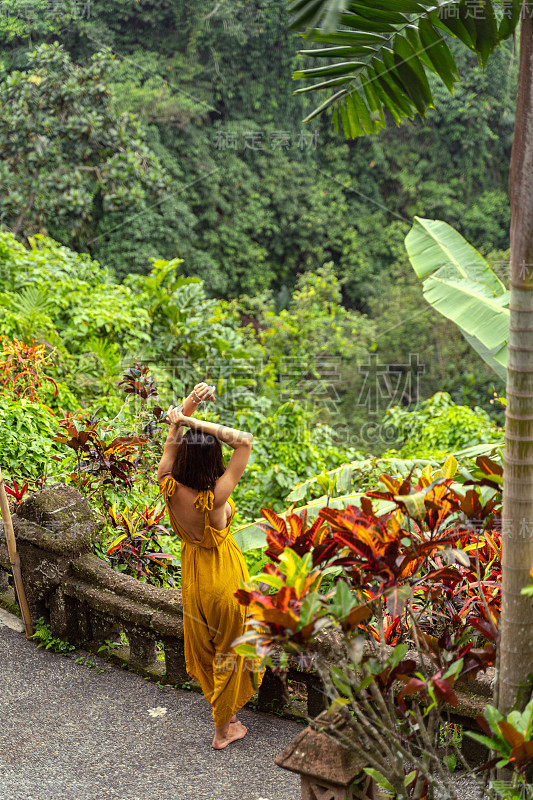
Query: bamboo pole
[14, 559]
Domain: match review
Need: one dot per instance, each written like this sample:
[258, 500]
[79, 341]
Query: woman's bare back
[192, 519]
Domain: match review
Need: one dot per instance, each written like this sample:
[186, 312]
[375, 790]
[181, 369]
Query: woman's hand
[199, 394]
[202, 392]
[175, 415]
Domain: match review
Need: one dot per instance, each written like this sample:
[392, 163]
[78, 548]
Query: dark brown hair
[198, 463]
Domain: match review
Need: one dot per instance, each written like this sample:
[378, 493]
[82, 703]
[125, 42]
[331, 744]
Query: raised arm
[200, 392]
[240, 441]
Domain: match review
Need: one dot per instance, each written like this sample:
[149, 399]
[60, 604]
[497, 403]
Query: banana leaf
[346, 472]
[476, 450]
[460, 285]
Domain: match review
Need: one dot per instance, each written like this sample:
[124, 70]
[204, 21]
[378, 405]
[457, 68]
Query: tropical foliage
[415, 566]
[217, 169]
[136, 549]
[438, 423]
[393, 58]
[85, 383]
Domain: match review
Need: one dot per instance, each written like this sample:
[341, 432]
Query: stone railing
[88, 603]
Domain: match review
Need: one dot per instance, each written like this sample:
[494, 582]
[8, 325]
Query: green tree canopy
[69, 158]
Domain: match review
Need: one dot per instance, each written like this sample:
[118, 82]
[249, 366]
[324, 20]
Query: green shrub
[43, 634]
[26, 439]
[439, 426]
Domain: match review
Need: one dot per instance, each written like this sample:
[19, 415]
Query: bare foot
[233, 732]
[234, 718]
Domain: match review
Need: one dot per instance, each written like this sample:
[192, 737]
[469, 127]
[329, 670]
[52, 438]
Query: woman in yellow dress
[197, 491]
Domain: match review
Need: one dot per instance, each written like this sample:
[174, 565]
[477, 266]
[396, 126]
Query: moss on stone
[56, 518]
[8, 602]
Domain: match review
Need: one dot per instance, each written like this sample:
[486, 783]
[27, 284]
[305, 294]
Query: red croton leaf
[488, 466]
[484, 725]
[412, 686]
[273, 616]
[275, 520]
[283, 597]
[522, 754]
[277, 542]
[401, 672]
[244, 597]
[355, 617]
[450, 575]
[485, 627]
[295, 524]
[444, 691]
[367, 508]
[510, 734]
[345, 519]
[124, 442]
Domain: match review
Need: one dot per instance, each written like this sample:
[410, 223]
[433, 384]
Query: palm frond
[380, 53]
[30, 302]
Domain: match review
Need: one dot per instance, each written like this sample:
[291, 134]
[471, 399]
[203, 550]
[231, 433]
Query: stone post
[52, 527]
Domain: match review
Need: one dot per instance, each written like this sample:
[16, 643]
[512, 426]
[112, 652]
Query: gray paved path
[69, 732]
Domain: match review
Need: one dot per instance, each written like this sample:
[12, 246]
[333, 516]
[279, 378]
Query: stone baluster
[142, 647]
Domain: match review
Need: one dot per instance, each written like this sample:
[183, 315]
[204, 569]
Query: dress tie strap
[167, 486]
[204, 500]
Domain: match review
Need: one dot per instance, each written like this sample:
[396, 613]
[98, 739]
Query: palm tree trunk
[516, 645]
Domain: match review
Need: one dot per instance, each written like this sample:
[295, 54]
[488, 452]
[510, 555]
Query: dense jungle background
[162, 203]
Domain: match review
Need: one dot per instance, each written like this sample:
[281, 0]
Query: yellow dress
[211, 569]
